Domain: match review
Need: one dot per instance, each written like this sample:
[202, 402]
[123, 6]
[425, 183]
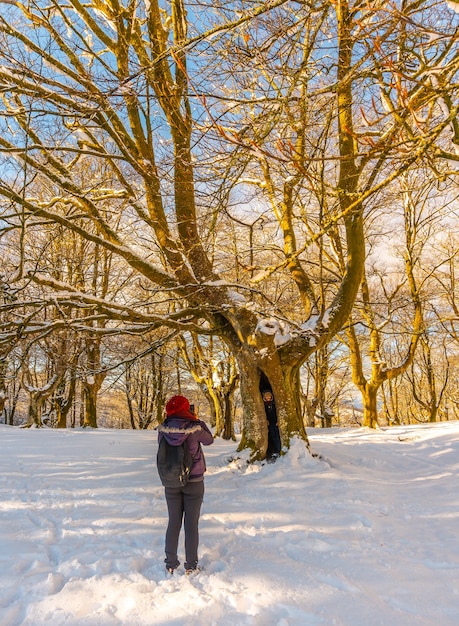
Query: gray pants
[183, 502]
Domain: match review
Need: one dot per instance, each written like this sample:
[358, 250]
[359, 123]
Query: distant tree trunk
[370, 405]
[39, 395]
[37, 399]
[426, 388]
[216, 409]
[228, 407]
[228, 430]
[90, 405]
[3, 387]
[391, 403]
[13, 398]
[3, 404]
[34, 412]
[144, 389]
[321, 374]
[65, 399]
[380, 372]
[93, 381]
[311, 412]
[209, 372]
[130, 405]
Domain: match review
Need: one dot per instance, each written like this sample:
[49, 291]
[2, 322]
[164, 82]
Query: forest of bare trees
[214, 197]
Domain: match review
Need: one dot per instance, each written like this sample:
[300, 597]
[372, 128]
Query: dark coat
[274, 440]
[271, 413]
[176, 428]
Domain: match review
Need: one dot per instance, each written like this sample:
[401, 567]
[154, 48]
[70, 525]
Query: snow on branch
[184, 319]
[271, 326]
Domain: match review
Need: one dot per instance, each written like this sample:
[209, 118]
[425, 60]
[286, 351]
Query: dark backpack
[174, 463]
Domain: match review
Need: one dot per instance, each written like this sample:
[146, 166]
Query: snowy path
[366, 534]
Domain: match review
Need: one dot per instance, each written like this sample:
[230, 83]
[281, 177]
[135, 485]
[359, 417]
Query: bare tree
[127, 86]
[389, 320]
[145, 387]
[40, 380]
[215, 372]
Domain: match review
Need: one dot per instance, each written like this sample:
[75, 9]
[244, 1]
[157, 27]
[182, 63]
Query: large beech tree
[153, 91]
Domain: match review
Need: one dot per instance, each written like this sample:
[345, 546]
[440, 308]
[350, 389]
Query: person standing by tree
[184, 503]
[274, 440]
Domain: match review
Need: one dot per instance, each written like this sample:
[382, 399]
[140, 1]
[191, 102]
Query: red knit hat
[179, 405]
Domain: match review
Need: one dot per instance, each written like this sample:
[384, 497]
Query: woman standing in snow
[184, 503]
[274, 440]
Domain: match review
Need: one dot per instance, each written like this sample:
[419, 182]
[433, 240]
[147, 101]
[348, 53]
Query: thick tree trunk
[90, 405]
[12, 402]
[130, 409]
[93, 382]
[433, 413]
[61, 416]
[228, 410]
[370, 406]
[63, 405]
[285, 386]
[254, 426]
[35, 410]
[228, 430]
[216, 410]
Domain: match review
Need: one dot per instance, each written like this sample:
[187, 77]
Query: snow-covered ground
[365, 534]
